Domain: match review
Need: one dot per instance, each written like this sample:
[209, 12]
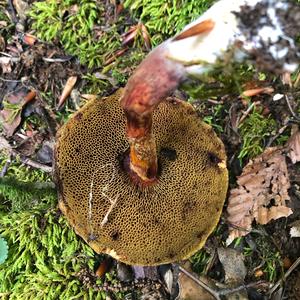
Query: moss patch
[165, 18]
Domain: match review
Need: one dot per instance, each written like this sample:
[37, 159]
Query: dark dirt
[289, 20]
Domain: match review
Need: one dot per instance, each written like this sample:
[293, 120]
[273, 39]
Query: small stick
[289, 271]
[201, 283]
[66, 59]
[34, 164]
[4, 145]
[246, 113]
[221, 292]
[6, 166]
[272, 139]
[9, 80]
[227, 291]
[216, 102]
[13, 12]
[290, 107]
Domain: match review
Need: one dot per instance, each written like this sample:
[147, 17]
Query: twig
[201, 283]
[13, 12]
[66, 59]
[288, 272]
[221, 292]
[246, 113]
[34, 164]
[4, 145]
[5, 167]
[290, 107]
[227, 291]
[10, 80]
[216, 102]
[280, 131]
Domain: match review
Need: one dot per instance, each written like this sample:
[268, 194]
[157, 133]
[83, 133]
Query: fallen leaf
[233, 264]
[29, 39]
[286, 262]
[3, 24]
[5, 63]
[190, 290]
[166, 273]
[102, 76]
[66, 91]
[10, 115]
[138, 272]
[286, 79]
[293, 145]
[253, 92]
[89, 97]
[124, 272]
[21, 8]
[261, 195]
[295, 230]
[45, 154]
[4, 145]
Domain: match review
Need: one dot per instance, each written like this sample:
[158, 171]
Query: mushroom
[152, 194]
[141, 224]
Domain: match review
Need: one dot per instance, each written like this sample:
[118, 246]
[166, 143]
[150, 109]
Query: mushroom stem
[142, 155]
[153, 81]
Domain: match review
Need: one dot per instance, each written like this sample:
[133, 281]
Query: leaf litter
[262, 193]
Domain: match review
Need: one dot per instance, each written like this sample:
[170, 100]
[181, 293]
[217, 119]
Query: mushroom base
[162, 223]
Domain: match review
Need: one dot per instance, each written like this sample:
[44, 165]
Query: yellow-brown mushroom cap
[166, 222]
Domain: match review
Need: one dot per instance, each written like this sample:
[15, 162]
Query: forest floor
[57, 55]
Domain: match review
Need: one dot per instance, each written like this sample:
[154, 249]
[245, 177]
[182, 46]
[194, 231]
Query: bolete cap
[161, 223]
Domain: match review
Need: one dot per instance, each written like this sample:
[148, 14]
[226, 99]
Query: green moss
[225, 78]
[81, 28]
[265, 256]
[254, 132]
[45, 255]
[44, 258]
[20, 195]
[200, 261]
[165, 18]
[78, 26]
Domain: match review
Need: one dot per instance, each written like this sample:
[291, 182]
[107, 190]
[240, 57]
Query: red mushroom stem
[153, 81]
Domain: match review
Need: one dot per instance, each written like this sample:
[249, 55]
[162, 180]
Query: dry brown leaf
[253, 92]
[10, 115]
[5, 64]
[89, 97]
[21, 7]
[233, 264]
[66, 91]
[29, 39]
[295, 229]
[293, 145]
[190, 290]
[261, 195]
